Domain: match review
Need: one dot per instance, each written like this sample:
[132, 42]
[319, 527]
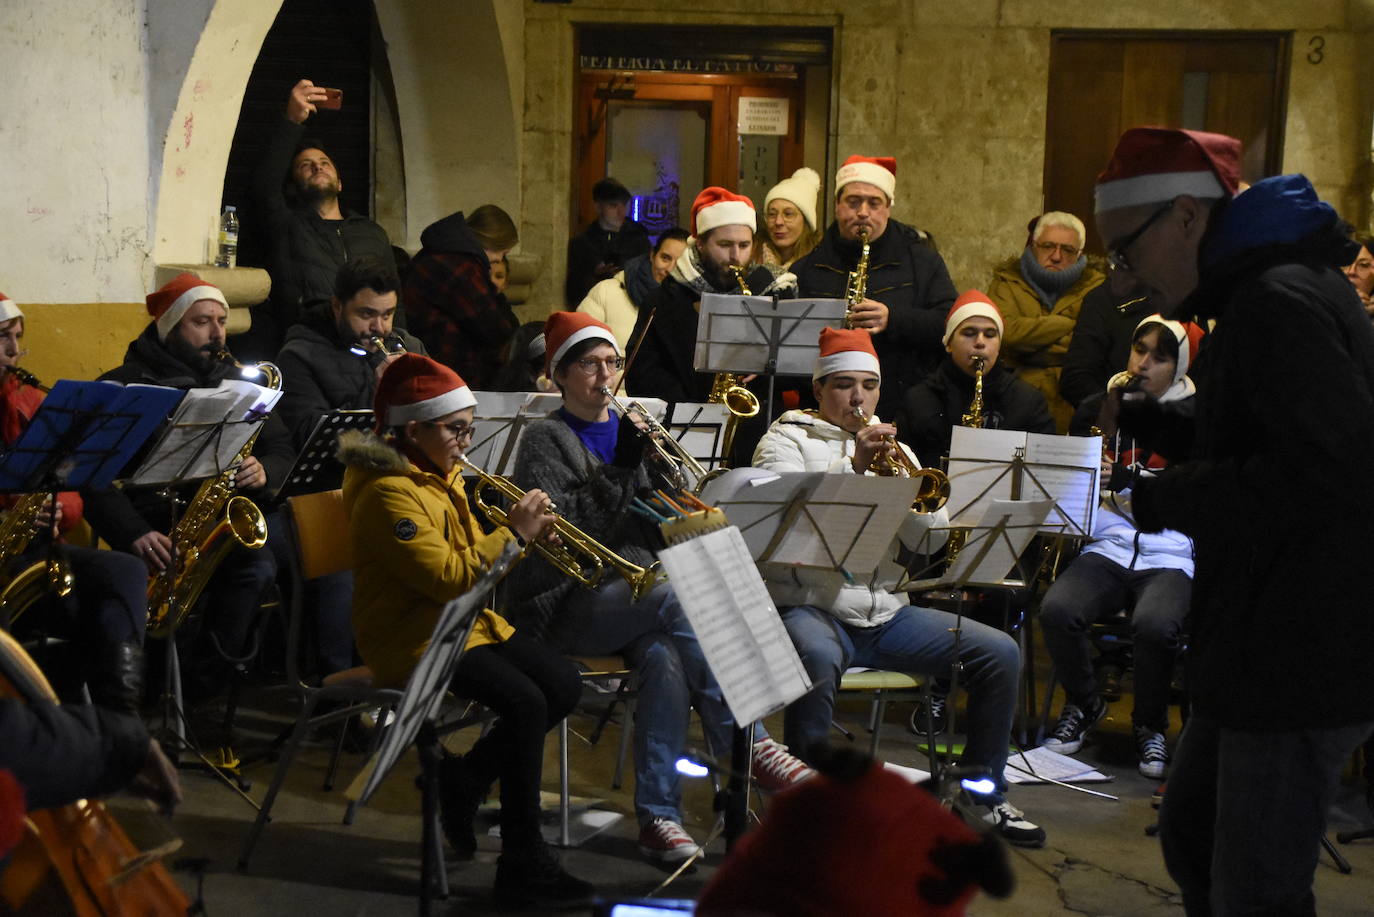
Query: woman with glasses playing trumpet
[591, 461]
[416, 546]
[836, 622]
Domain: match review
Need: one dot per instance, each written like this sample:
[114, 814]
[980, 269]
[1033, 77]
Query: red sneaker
[665, 841]
[775, 768]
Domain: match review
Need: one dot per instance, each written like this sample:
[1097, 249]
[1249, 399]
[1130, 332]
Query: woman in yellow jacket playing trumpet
[416, 546]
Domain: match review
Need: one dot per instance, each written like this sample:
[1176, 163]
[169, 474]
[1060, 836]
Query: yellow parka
[416, 546]
[1036, 338]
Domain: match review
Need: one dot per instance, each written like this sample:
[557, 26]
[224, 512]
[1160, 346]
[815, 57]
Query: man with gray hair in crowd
[1039, 293]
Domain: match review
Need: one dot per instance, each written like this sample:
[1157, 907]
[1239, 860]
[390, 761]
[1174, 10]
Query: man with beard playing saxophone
[835, 622]
[105, 613]
[180, 348]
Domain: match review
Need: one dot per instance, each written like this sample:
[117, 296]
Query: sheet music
[1000, 536]
[978, 473]
[207, 431]
[1066, 468]
[735, 333]
[497, 422]
[815, 519]
[736, 623]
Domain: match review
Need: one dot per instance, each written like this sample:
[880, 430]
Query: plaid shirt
[464, 324]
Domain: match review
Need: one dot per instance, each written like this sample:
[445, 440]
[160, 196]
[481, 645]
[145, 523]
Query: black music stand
[415, 722]
[317, 466]
[202, 440]
[762, 334]
[81, 435]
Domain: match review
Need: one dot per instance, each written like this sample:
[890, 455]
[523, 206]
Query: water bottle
[228, 255]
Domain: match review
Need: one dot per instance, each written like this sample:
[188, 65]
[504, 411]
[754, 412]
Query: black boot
[529, 875]
[461, 792]
[118, 680]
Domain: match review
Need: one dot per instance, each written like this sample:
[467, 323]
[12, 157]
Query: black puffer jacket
[321, 373]
[931, 409]
[305, 251]
[1281, 630]
[909, 277]
[1101, 341]
[120, 517]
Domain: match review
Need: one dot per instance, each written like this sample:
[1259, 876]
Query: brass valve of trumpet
[675, 462]
[894, 462]
[390, 346]
[576, 554]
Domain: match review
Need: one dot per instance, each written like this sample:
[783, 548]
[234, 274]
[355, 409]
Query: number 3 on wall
[1316, 49]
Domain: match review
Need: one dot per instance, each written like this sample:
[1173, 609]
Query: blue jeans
[672, 674]
[1244, 814]
[917, 640]
[1093, 587]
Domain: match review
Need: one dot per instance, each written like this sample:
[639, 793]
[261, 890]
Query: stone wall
[957, 92]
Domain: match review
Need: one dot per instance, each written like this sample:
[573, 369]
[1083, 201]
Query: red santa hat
[1151, 165]
[564, 329]
[717, 207]
[9, 309]
[879, 171]
[846, 349]
[884, 836]
[169, 303]
[418, 388]
[971, 304]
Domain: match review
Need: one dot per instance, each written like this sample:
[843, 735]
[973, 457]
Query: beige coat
[610, 302]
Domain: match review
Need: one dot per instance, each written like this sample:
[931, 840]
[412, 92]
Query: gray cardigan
[589, 493]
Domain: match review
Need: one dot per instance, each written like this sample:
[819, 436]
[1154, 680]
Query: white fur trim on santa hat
[587, 332]
[846, 361]
[168, 320]
[1156, 189]
[870, 173]
[971, 310]
[455, 399]
[9, 309]
[725, 213]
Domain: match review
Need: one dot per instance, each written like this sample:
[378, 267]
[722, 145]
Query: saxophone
[727, 390]
[856, 290]
[216, 519]
[973, 417]
[52, 573]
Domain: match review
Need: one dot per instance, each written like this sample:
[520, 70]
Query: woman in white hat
[789, 215]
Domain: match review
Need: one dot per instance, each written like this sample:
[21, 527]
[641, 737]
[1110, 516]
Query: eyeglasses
[1116, 254]
[590, 367]
[1069, 251]
[456, 430]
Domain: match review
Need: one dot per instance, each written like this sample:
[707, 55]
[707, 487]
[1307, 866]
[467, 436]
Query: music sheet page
[736, 623]
[1065, 468]
[978, 471]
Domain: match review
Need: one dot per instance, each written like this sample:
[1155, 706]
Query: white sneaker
[1011, 823]
[775, 768]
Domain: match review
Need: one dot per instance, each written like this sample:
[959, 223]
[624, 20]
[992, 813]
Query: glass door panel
[660, 151]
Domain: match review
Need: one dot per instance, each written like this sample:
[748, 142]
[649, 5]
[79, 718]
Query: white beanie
[801, 189]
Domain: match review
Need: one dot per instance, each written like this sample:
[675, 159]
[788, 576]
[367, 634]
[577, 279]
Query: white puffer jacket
[802, 441]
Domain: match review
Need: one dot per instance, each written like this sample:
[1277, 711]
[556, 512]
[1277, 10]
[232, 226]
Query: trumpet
[390, 346]
[673, 458]
[934, 483]
[579, 556]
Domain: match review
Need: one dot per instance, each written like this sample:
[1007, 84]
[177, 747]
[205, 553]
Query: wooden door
[1101, 84]
[666, 136]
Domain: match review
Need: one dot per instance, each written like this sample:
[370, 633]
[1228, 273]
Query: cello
[75, 859]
